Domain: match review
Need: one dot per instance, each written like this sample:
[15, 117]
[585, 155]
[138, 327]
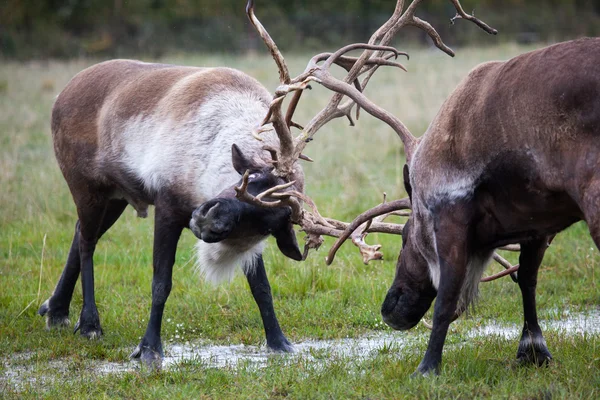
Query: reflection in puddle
[21, 369]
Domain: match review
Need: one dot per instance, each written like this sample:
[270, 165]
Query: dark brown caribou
[509, 158]
[512, 157]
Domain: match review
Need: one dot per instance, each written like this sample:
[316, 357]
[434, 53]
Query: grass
[353, 167]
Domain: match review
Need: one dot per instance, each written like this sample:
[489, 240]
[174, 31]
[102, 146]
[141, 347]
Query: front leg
[261, 290]
[532, 347]
[451, 280]
[451, 235]
[56, 308]
[167, 231]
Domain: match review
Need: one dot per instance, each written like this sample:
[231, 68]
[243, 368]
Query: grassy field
[353, 167]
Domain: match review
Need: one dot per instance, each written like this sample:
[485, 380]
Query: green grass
[353, 167]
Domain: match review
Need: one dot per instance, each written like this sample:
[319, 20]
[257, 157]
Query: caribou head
[225, 217]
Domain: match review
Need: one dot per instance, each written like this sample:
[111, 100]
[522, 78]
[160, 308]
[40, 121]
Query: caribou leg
[91, 210]
[453, 253]
[56, 308]
[532, 347]
[261, 290]
[167, 230]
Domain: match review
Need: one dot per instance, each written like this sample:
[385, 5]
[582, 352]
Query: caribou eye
[253, 176]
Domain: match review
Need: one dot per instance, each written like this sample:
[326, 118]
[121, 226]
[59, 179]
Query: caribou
[509, 158]
[179, 138]
[128, 132]
[508, 162]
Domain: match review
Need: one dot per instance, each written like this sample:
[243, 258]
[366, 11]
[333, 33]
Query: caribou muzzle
[211, 222]
[403, 310]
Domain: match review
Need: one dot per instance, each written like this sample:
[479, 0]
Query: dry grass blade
[37, 298]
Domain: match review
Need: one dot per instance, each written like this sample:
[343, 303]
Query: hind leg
[532, 346]
[261, 290]
[56, 308]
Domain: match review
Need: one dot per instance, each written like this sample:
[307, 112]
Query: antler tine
[326, 79]
[348, 62]
[384, 208]
[460, 13]
[292, 108]
[430, 30]
[283, 199]
[356, 46]
[509, 269]
[370, 71]
[368, 252]
[345, 62]
[391, 22]
[273, 190]
[284, 75]
[275, 115]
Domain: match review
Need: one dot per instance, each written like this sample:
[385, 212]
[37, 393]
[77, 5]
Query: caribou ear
[240, 162]
[287, 243]
[407, 186]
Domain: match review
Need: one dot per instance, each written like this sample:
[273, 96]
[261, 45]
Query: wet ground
[18, 370]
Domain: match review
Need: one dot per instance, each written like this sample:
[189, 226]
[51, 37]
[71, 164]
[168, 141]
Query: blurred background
[44, 43]
[155, 28]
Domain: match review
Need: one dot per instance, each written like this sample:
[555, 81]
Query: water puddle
[21, 369]
[315, 350]
[564, 322]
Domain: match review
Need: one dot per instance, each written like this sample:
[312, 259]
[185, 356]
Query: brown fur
[119, 90]
[127, 132]
[513, 156]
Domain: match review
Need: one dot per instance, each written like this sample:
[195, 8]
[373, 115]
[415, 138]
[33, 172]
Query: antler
[375, 53]
[385, 209]
[372, 57]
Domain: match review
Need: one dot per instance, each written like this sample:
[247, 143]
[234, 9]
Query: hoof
[91, 331]
[420, 374]
[537, 357]
[533, 351]
[151, 359]
[280, 345]
[426, 370]
[54, 319]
